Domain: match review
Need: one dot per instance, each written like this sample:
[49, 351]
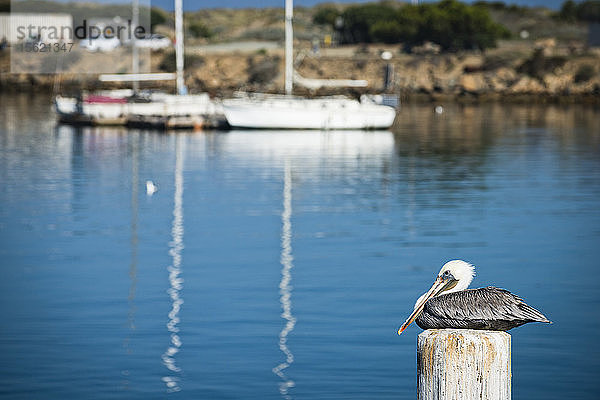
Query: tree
[326, 15]
[386, 31]
[568, 11]
[358, 21]
[589, 11]
[157, 17]
[451, 24]
[5, 6]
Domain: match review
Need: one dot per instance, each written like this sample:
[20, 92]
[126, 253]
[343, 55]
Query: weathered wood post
[463, 364]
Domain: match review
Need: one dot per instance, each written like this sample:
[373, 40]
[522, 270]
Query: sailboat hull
[298, 113]
[161, 111]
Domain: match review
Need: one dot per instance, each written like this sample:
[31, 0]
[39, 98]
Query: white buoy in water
[151, 188]
[439, 109]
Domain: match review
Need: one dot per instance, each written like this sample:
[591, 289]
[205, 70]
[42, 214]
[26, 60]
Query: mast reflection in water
[176, 282]
[285, 289]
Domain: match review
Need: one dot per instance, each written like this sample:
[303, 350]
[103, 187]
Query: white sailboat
[288, 112]
[162, 110]
[115, 107]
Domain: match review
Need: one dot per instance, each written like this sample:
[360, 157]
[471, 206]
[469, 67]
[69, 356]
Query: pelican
[449, 304]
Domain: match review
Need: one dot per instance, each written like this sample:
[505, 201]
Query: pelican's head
[458, 274]
[455, 275]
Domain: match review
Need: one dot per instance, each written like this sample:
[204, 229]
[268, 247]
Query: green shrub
[454, 26]
[588, 11]
[386, 31]
[5, 6]
[500, 6]
[451, 24]
[168, 62]
[326, 15]
[358, 20]
[199, 30]
[157, 17]
[262, 69]
[273, 33]
[190, 61]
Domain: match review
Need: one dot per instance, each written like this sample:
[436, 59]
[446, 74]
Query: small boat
[144, 109]
[288, 112]
[103, 108]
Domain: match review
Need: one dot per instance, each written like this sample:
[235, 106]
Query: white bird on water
[151, 188]
[449, 304]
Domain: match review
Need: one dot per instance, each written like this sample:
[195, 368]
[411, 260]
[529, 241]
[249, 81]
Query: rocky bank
[515, 71]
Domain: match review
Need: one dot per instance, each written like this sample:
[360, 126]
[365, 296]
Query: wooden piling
[463, 364]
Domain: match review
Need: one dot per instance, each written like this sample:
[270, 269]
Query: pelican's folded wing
[484, 308]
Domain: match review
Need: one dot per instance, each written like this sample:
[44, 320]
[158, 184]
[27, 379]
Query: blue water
[279, 264]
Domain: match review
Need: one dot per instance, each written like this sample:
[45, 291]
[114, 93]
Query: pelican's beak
[438, 286]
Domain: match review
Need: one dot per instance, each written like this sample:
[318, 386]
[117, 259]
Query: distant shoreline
[545, 59]
[468, 77]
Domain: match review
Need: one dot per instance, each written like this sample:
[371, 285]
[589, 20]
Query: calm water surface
[280, 264]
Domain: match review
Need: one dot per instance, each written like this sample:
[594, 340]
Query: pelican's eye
[447, 276]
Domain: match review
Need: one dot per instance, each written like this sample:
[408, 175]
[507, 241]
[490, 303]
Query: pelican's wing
[484, 304]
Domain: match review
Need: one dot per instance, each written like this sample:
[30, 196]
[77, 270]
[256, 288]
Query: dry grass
[257, 24]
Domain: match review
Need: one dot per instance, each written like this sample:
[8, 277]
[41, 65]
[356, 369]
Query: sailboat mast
[135, 59]
[179, 46]
[289, 46]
